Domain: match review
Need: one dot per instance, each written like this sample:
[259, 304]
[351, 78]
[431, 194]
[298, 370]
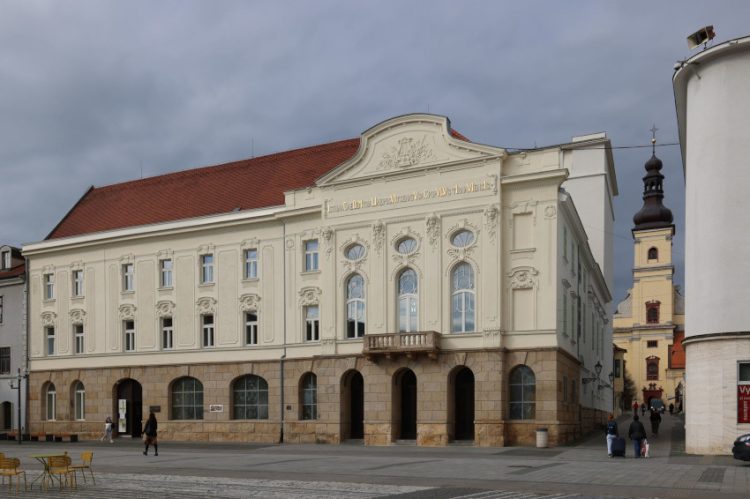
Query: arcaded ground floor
[488, 398]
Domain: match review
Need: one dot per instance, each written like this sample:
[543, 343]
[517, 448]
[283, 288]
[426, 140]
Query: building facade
[713, 115]
[650, 323]
[405, 285]
[12, 337]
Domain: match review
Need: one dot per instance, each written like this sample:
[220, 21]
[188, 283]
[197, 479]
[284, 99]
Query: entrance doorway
[406, 384]
[352, 406]
[6, 416]
[463, 400]
[131, 392]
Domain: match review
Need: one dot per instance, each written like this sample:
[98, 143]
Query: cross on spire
[653, 138]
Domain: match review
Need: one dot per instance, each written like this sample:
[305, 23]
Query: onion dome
[653, 214]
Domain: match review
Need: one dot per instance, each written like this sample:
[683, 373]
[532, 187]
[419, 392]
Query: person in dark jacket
[150, 431]
[637, 434]
[655, 419]
[612, 433]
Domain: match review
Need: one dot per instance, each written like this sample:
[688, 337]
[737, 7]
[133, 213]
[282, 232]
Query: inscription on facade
[440, 192]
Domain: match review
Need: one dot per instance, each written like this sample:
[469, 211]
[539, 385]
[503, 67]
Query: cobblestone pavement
[190, 470]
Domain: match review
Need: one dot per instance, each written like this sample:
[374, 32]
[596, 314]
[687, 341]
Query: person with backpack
[612, 434]
[655, 418]
[636, 433]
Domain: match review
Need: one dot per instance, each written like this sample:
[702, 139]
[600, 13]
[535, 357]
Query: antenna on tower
[653, 139]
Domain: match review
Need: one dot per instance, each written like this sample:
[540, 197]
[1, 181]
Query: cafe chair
[86, 458]
[59, 466]
[10, 467]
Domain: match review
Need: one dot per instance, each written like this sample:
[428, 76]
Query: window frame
[49, 334]
[167, 333]
[208, 331]
[463, 294]
[251, 328]
[652, 362]
[312, 324]
[408, 323]
[653, 312]
[79, 338]
[251, 263]
[77, 281]
[207, 269]
[312, 255]
[50, 397]
[79, 401]
[166, 273]
[195, 391]
[128, 277]
[309, 397]
[1, 309]
[242, 411]
[652, 253]
[128, 342]
[356, 309]
[5, 360]
[49, 286]
[524, 403]
[5, 259]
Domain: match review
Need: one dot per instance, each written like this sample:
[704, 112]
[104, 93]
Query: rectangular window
[207, 269]
[251, 264]
[617, 368]
[6, 260]
[652, 344]
[311, 255]
[78, 334]
[1, 309]
[49, 286]
[128, 277]
[165, 269]
[167, 334]
[251, 328]
[208, 330]
[312, 323]
[565, 242]
[565, 315]
[129, 327]
[77, 283]
[5, 360]
[80, 404]
[565, 388]
[51, 402]
[50, 333]
[743, 375]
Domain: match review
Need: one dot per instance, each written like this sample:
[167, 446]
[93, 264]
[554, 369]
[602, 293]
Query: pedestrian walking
[107, 430]
[643, 409]
[149, 432]
[636, 433]
[671, 409]
[635, 407]
[655, 419]
[612, 434]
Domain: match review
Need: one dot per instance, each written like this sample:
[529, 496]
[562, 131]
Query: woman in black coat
[150, 431]
[637, 434]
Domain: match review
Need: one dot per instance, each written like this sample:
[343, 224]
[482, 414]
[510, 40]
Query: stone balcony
[408, 344]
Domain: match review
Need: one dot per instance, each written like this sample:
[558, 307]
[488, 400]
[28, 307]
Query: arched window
[462, 309]
[250, 398]
[652, 368]
[522, 393]
[79, 400]
[187, 399]
[408, 299]
[50, 398]
[355, 307]
[652, 312]
[653, 254]
[309, 396]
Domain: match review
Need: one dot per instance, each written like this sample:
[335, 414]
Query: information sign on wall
[743, 403]
[122, 407]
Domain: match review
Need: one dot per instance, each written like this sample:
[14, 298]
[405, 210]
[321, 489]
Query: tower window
[652, 312]
[653, 254]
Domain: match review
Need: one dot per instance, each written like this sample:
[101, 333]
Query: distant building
[621, 403]
[12, 335]
[649, 323]
[405, 285]
[713, 113]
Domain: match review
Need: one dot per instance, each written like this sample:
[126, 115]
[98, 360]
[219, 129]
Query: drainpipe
[283, 355]
[26, 354]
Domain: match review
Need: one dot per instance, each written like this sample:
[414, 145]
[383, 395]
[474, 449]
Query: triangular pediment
[407, 143]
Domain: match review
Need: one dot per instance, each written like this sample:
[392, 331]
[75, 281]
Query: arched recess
[352, 405]
[128, 395]
[404, 404]
[461, 403]
[308, 396]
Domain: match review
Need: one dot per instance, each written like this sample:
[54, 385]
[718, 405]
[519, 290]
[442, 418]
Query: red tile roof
[247, 184]
[16, 271]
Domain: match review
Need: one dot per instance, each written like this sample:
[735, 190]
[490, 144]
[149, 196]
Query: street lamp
[597, 370]
[19, 379]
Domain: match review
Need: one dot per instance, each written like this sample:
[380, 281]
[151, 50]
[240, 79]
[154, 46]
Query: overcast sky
[96, 92]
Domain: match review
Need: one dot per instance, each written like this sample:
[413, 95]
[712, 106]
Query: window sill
[48, 300]
[207, 285]
[310, 272]
[165, 288]
[127, 292]
[251, 279]
[77, 298]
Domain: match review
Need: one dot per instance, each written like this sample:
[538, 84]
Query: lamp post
[597, 370]
[19, 383]
[611, 377]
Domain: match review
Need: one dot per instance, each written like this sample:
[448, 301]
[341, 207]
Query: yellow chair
[10, 467]
[86, 458]
[60, 466]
